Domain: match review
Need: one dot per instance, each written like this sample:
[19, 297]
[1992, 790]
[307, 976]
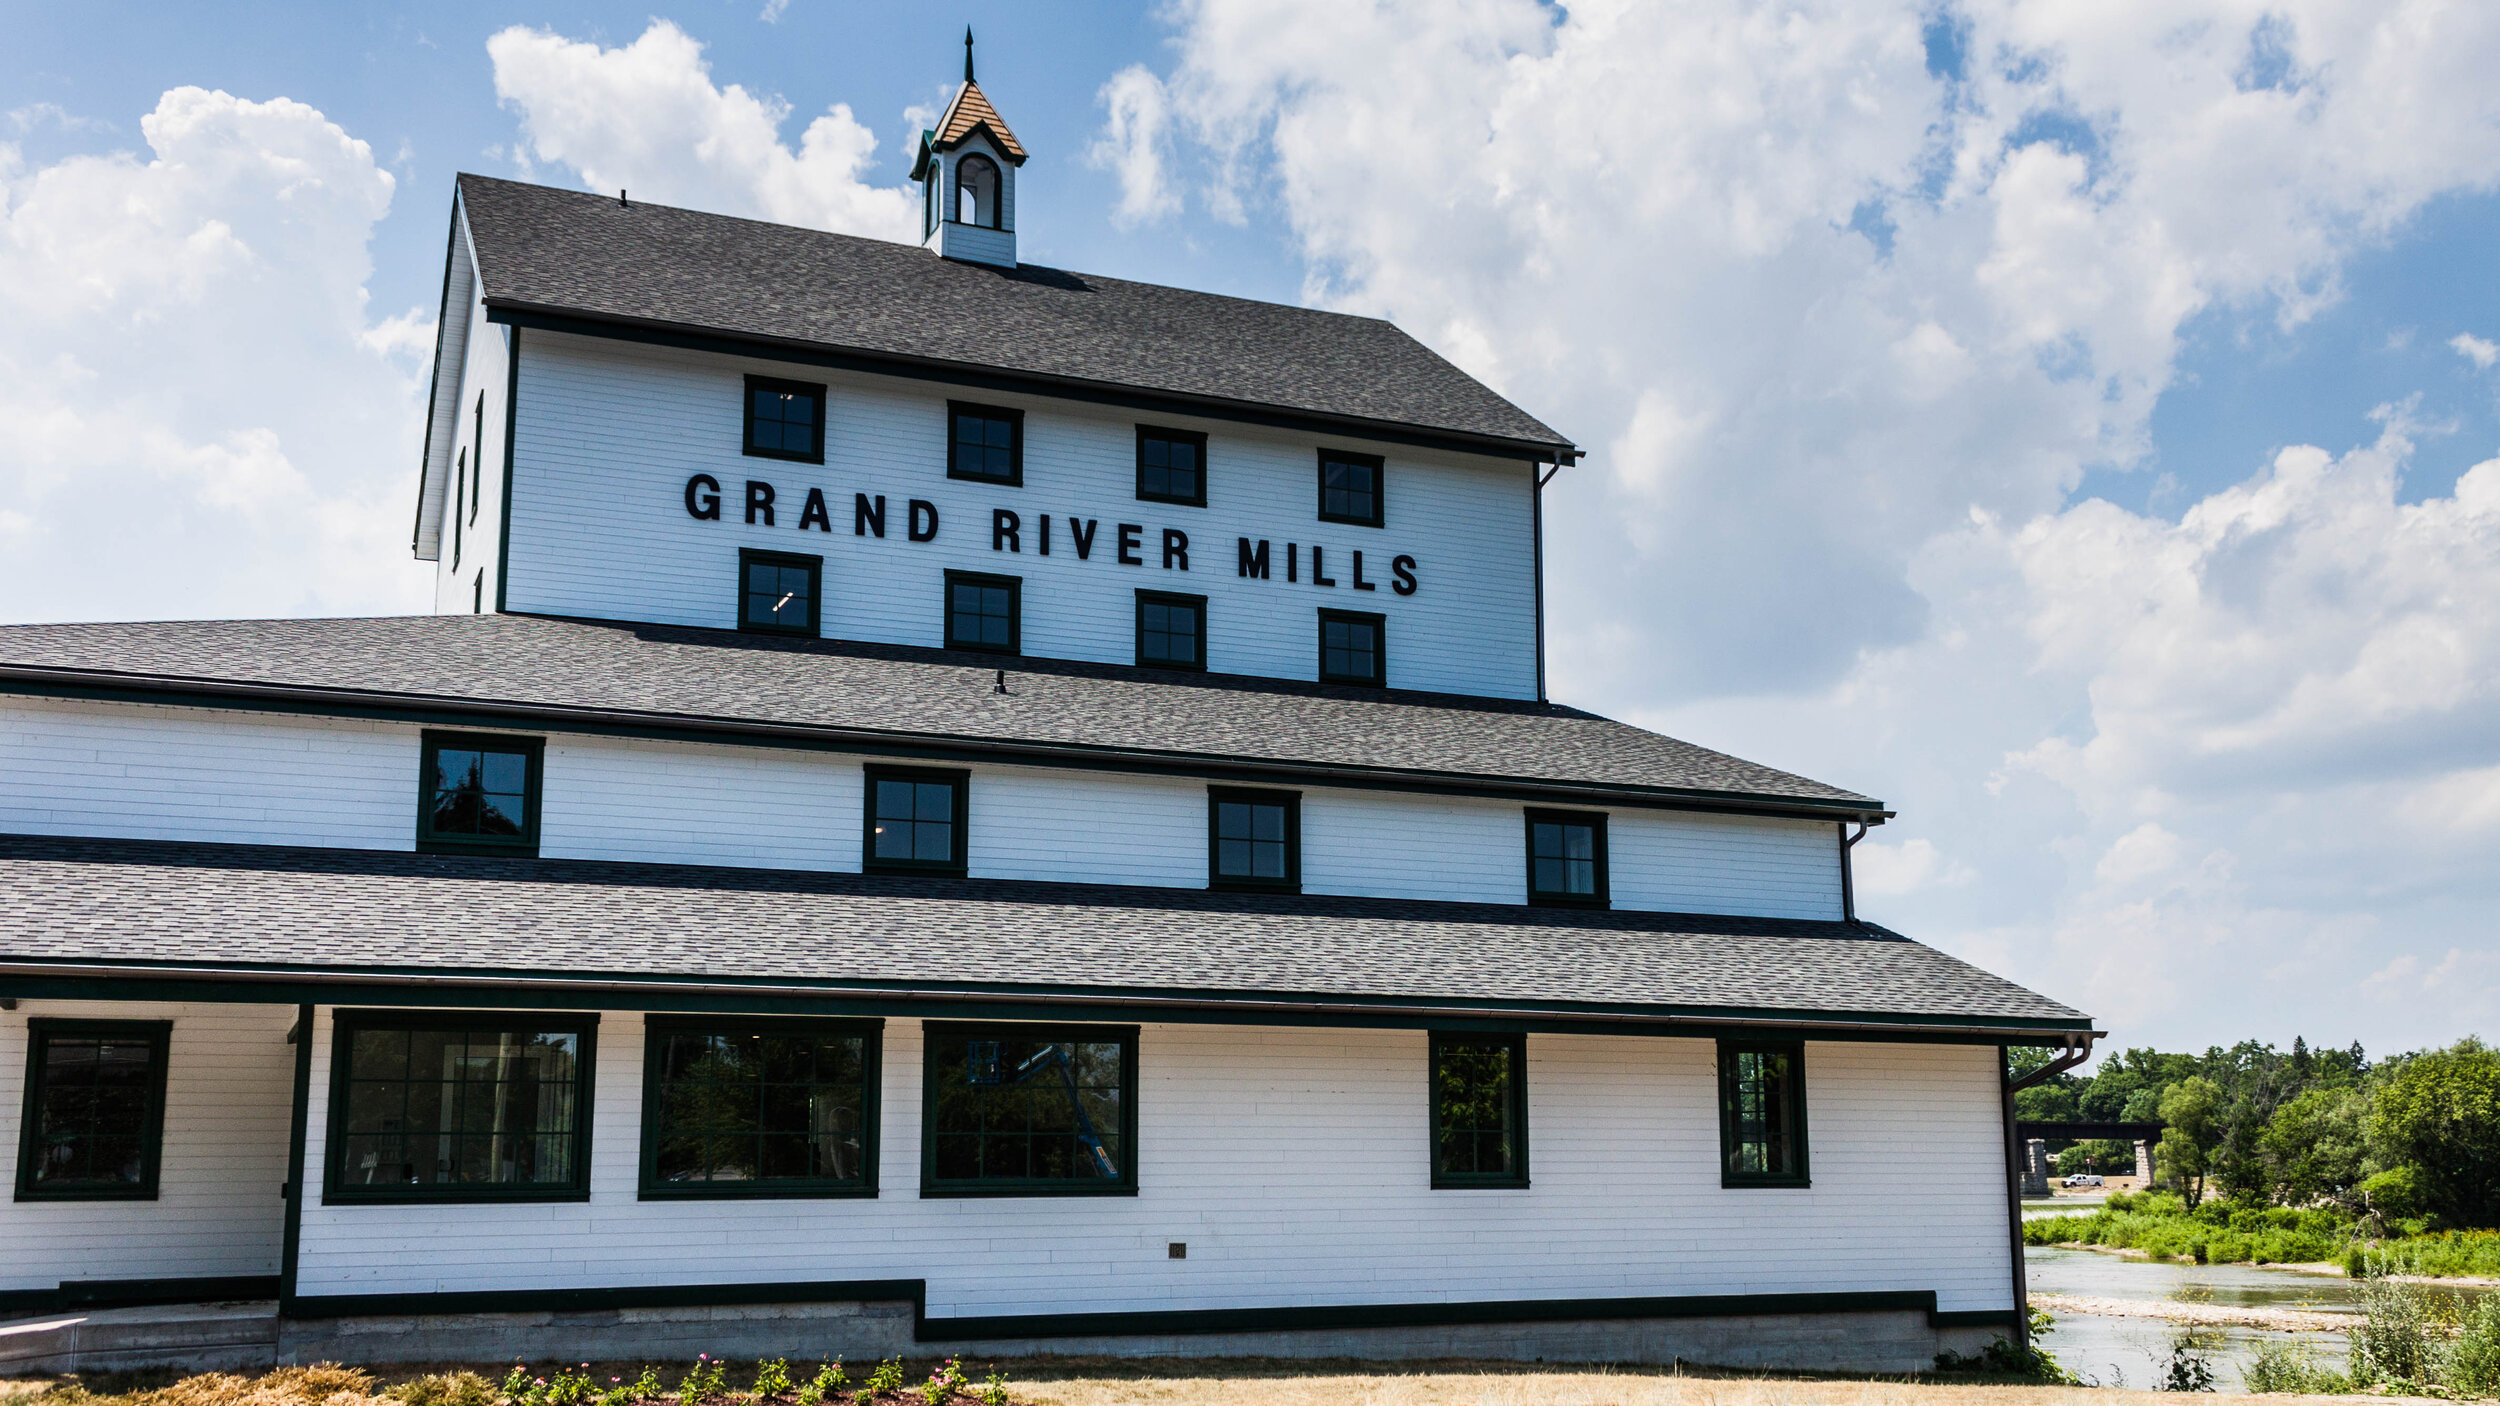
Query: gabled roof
[552, 672]
[971, 112]
[590, 263]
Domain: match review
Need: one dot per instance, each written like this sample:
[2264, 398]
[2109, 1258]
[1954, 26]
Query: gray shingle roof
[570, 251]
[342, 913]
[918, 696]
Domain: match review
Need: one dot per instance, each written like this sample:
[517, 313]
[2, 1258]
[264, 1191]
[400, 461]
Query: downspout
[2078, 1049]
[291, 1241]
[1848, 876]
[1536, 515]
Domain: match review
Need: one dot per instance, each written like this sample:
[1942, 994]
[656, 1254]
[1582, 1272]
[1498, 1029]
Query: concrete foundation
[199, 1337]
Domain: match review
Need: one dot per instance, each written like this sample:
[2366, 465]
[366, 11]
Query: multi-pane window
[785, 420]
[427, 1105]
[1254, 839]
[479, 793]
[759, 1107]
[95, 1110]
[1567, 857]
[915, 820]
[1353, 647]
[1350, 488]
[777, 592]
[1029, 1110]
[1762, 1113]
[985, 442]
[1171, 466]
[1171, 630]
[1479, 1110]
[982, 612]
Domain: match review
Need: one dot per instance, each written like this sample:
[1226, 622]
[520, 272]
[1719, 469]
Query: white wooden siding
[609, 433]
[485, 374]
[229, 1086]
[1293, 1164]
[141, 771]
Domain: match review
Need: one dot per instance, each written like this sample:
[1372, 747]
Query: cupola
[967, 175]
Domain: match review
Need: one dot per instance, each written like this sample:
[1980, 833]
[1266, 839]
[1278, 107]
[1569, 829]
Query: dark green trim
[1380, 487]
[39, 1029]
[815, 568]
[319, 1306]
[1169, 598]
[926, 776]
[335, 1190]
[1292, 802]
[291, 1239]
[1014, 586]
[511, 426]
[871, 1034]
[813, 390]
[482, 989]
[38, 682]
[1379, 677]
[1596, 820]
[517, 315]
[1516, 1046]
[1803, 1176]
[138, 1293]
[533, 787]
[963, 1188]
[1015, 441]
[1194, 438]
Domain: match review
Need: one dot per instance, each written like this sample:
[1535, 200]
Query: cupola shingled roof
[971, 112]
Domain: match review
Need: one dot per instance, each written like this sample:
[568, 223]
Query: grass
[2449, 1253]
[2161, 1225]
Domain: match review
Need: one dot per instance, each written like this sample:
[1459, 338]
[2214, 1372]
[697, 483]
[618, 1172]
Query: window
[759, 1107]
[1350, 488]
[785, 420]
[1171, 466]
[983, 612]
[986, 443]
[459, 490]
[1567, 858]
[915, 821]
[1352, 647]
[1171, 630]
[1762, 1113]
[93, 1125]
[479, 794]
[1254, 839]
[976, 191]
[778, 591]
[1479, 1110]
[444, 1106]
[1029, 1110]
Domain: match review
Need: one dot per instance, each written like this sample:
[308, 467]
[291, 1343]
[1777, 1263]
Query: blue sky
[2061, 422]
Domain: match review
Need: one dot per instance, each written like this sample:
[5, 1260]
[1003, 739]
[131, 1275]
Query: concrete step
[199, 1337]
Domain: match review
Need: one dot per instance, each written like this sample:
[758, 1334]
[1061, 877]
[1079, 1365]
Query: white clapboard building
[952, 805]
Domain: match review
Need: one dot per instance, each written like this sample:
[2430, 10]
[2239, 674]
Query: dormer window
[976, 191]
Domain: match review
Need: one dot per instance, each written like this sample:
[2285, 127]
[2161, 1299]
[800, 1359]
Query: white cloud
[1131, 145]
[2475, 349]
[1848, 315]
[647, 117]
[203, 419]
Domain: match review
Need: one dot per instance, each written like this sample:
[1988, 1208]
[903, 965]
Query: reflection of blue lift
[985, 1067]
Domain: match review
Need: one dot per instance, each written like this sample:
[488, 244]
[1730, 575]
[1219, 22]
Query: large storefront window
[759, 1108]
[95, 1110]
[430, 1106]
[1023, 1110]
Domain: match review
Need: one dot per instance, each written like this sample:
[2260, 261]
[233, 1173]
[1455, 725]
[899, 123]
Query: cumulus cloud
[1131, 145]
[203, 417]
[2475, 349]
[647, 117]
[1847, 296]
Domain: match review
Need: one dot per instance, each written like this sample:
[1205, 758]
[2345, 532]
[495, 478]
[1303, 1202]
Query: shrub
[828, 1382]
[2290, 1366]
[944, 1383]
[2000, 1358]
[772, 1378]
[887, 1377]
[444, 1389]
[704, 1380]
[994, 1389]
[2396, 1344]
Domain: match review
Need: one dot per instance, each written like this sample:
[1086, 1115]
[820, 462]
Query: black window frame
[1171, 598]
[1217, 796]
[1802, 1177]
[1379, 678]
[961, 781]
[1015, 611]
[1195, 439]
[39, 1029]
[815, 568]
[1515, 1044]
[1015, 442]
[871, 1034]
[931, 1188]
[525, 845]
[1544, 898]
[335, 1190]
[814, 390]
[1380, 487]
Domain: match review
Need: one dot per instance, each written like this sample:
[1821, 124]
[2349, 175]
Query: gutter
[835, 737]
[2077, 1050]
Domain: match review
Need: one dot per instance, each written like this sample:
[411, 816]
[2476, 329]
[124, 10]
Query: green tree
[2193, 1109]
[2439, 1112]
[2316, 1145]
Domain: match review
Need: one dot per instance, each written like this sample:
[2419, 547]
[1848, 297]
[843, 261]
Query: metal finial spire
[967, 53]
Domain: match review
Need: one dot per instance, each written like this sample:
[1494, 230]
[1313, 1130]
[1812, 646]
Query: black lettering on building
[1317, 576]
[1045, 534]
[703, 497]
[759, 500]
[1359, 583]
[923, 510]
[814, 514]
[1293, 561]
[1405, 568]
[867, 516]
[1175, 548]
[1084, 537]
[1005, 531]
[1254, 563]
[1132, 537]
